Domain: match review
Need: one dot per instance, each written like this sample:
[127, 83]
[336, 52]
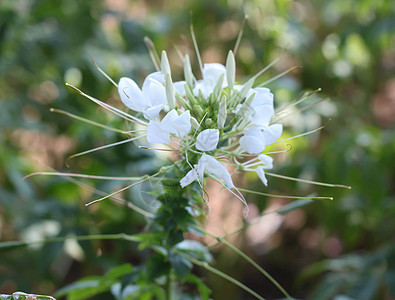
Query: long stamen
[284, 196]
[104, 73]
[123, 189]
[302, 134]
[279, 76]
[237, 195]
[240, 35]
[104, 147]
[301, 98]
[196, 48]
[86, 120]
[152, 52]
[84, 176]
[267, 67]
[309, 181]
[114, 110]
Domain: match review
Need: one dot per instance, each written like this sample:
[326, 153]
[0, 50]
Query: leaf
[195, 249]
[82, 286]
[157, 266]
[118, 271]
[181, 265]
[294, 205]
[202, 288]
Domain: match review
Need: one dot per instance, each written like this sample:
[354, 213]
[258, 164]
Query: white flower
[211, 74]
[210, 166]
[265, 162]
[157, 135]
[179, 125]
[256, 138]
[261, 109]
[150, 100]
[207, 140]
[253, 141]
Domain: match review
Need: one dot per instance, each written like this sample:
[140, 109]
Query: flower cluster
[211, 122]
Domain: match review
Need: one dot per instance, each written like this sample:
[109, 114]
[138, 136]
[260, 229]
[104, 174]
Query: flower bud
[170, 91]
[198, 111]
[246, 105]
[218, 86]
[189, 95]
[246, 87]
[208, 122]
[230, 69]
[195, 124]
[188, 71]
[222, 113]
[164, 64]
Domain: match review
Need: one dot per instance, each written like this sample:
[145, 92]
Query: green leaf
[157, 266]
[195, 249]
[181, 265]
[294, 205]
[87, 286]
[202, 288]
[118, 271]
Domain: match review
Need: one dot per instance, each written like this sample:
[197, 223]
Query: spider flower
[212, 119]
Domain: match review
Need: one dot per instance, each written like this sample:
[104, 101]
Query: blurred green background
[342, 249]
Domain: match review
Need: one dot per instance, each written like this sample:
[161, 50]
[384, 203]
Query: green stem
[252, 262]
[221, 274]
[168, 286]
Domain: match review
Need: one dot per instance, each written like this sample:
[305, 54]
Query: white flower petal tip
[215, 168]
[177, 124]
[155, 134]
[207, 140]
[189, 178]
[131, 94]
[150, 100]
[272, 133]
[261, 174]
[266, 160]
[211, 75]
[210, 166]
[252, 144]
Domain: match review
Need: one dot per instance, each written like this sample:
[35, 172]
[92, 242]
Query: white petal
[205, 88]
[155, 134]
[154, 92]
[201, 166]
[215, 168]
[207, 140]
[158, 76]
[184, 123]
[168, 121]
[263, 96]
[261, 115]
[262, 107]
[261, 174]
[212, 72]
[189, 178]
[180, 87]
[131, 94]
[252, 144]
[152, 112]
[177, 124]
[267, 161]
[255, 131]
[272, 133]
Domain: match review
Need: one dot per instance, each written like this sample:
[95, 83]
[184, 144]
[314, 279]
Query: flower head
[211, 119]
